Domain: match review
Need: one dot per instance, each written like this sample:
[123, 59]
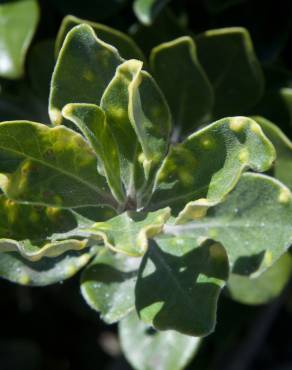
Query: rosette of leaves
[159, 225]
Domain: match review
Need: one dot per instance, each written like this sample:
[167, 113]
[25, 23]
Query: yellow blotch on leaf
[243, 155]
[237, 124]
[24, 279]
[284, 195]
[56, 116]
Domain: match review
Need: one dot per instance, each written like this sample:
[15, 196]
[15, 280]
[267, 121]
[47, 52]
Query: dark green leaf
[182, 79]
[230, 62]
[179, 283]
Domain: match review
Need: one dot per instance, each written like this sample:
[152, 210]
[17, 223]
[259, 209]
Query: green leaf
[164, 28]
[108, 284]
[147, 10]
[129, 232]
[179, 283]
[125, 45]
[83, 70]
[264, 288]
[230, 62]
[56, 167]
[146, 348]
[44, 272]
[183, 81]
[91, 121]
[253, 223]
[18, 24]
[282, 169]
[208, 163]
[140, 122]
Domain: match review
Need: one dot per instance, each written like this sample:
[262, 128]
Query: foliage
[147, 177]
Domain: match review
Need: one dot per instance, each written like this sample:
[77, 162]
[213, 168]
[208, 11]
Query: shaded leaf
[49, 166]
[147, 10]
[208, 163]
[129, 232]
[18, 24]
[179, 283]
[83, 70]
[146, 348]
[253, 224]
[231, 65]
[263, 288]
[108, 285]
[125, 45]
[183, 81]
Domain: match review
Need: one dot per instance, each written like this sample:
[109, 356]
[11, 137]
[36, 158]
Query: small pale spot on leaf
[243, 155]
[284, 195]
[237, 124]
[24, 279]
[56, 116]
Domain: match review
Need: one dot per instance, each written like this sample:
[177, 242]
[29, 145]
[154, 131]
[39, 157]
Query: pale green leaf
[83, 70]
[56, 166]
[108, 284]
[147, 10]
[44, 272]
[282, 169]
[125, 45]
[230, 62]
[91, 121]
[263, 288]
[129, 232]
[177, 70]
[179, 284]
[18, 24]
[208, 163]
[146, 348]
[253, 223]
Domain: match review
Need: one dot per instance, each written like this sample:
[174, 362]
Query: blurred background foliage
[52, 328]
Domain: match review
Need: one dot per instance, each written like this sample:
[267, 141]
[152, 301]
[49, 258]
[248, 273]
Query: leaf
[18, 24]
[253, 224]
[164, 28]
[129, 232]
[40, 64]
[125, 45]
[147, 10]
[208, 163]
[55, 167]
[140, 122]
[183, 81]
[265, 287]
[146, 348]
[231, 65]
[83, 70]
[44, 272]
[179, 283]
[91, 121]
[282, 169]
[108, 285]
